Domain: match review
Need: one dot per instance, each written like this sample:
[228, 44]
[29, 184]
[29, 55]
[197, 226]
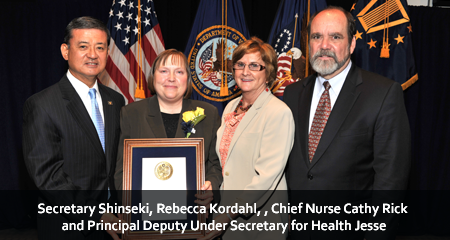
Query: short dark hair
[351, 24]
[161, 60]
[85, 23]
[268, 55]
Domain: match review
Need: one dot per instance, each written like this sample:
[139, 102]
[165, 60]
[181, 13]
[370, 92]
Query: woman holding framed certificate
[161, 116]
[254, 142]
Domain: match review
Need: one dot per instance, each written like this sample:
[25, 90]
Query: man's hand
[110, 218]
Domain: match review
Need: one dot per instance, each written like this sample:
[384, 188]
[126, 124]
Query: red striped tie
[320, 120]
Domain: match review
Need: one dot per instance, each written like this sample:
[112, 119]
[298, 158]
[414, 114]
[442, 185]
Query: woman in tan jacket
[253, 144]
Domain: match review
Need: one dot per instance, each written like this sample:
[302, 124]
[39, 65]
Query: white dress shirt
[83, 91]
[336, 84]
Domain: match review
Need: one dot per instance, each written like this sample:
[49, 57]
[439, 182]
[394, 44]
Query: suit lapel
[76, 107]
[108, 112]
[342, 107]
[262, 99]
[154, 118]
[305, 98]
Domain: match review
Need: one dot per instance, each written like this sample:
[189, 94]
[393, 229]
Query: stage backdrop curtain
[428, 105]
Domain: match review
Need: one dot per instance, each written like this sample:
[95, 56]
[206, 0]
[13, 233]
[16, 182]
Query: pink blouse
[231, 123]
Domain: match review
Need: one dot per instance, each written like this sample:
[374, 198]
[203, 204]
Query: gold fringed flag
[383, 39]
[219, 27]
[136, 40]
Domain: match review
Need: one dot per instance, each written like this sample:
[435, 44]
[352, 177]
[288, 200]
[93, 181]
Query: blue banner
[383, 39]
[218, 29]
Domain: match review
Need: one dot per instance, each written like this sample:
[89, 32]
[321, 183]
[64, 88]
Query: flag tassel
[139, 93]
[385, 50]
[224, 88]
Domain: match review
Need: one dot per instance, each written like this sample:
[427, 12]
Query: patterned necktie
[320, 120]
[97, 117]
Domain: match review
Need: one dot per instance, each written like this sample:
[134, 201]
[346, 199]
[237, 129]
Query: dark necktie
[320, 120]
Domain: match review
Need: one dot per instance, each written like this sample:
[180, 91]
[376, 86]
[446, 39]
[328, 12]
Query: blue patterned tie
[97, 117]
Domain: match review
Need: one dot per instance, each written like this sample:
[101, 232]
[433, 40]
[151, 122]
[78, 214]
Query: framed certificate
[160, 173]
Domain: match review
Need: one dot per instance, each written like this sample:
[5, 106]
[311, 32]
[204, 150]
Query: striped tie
[97, 117]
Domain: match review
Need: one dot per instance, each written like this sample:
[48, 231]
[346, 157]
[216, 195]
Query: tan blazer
[256, 160]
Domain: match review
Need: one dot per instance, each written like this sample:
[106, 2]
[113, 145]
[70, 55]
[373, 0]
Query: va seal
[163, 170]
[210, 63]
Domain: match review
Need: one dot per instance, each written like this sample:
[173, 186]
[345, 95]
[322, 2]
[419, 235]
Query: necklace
[243, 109]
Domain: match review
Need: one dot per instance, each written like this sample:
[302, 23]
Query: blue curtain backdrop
[428, 105]
[30, 61]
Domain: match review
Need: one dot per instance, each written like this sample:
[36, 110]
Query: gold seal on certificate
[163, 170]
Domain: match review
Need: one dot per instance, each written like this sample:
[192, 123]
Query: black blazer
[143, 120]
[62, 150]
[365, 144]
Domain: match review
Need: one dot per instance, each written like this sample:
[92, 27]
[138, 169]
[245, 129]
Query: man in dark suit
[352, 130]
[71, 132]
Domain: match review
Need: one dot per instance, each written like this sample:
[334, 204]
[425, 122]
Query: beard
[327, 67]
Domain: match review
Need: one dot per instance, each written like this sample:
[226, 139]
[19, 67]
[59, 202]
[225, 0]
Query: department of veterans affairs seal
[210, 63]
[163, 170]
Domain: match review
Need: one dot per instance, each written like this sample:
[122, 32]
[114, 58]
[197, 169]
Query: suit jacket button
[310, 177]
[227, 174]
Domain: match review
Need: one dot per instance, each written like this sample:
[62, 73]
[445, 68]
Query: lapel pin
[110, 103]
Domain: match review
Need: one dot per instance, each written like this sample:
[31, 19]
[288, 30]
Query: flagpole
[139, 93]
[293, 42]
[307, 41]
[224, 82]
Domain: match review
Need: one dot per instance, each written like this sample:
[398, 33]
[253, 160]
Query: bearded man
[352, 131]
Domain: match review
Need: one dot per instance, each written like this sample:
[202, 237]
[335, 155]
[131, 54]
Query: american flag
[205, 64]
[205, 59]
[129, 59]
[284, 65]
[285, 37]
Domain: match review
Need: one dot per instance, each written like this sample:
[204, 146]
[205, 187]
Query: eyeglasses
[251, 66]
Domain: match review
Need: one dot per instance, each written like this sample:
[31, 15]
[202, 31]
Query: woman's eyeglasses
[251, 66]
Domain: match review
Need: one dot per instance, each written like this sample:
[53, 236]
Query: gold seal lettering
[163, 170]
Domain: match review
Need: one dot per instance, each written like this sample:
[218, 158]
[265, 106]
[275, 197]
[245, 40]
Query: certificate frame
[135, 152]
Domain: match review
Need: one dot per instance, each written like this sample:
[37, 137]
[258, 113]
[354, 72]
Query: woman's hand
[206, 197]
[223, 219]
